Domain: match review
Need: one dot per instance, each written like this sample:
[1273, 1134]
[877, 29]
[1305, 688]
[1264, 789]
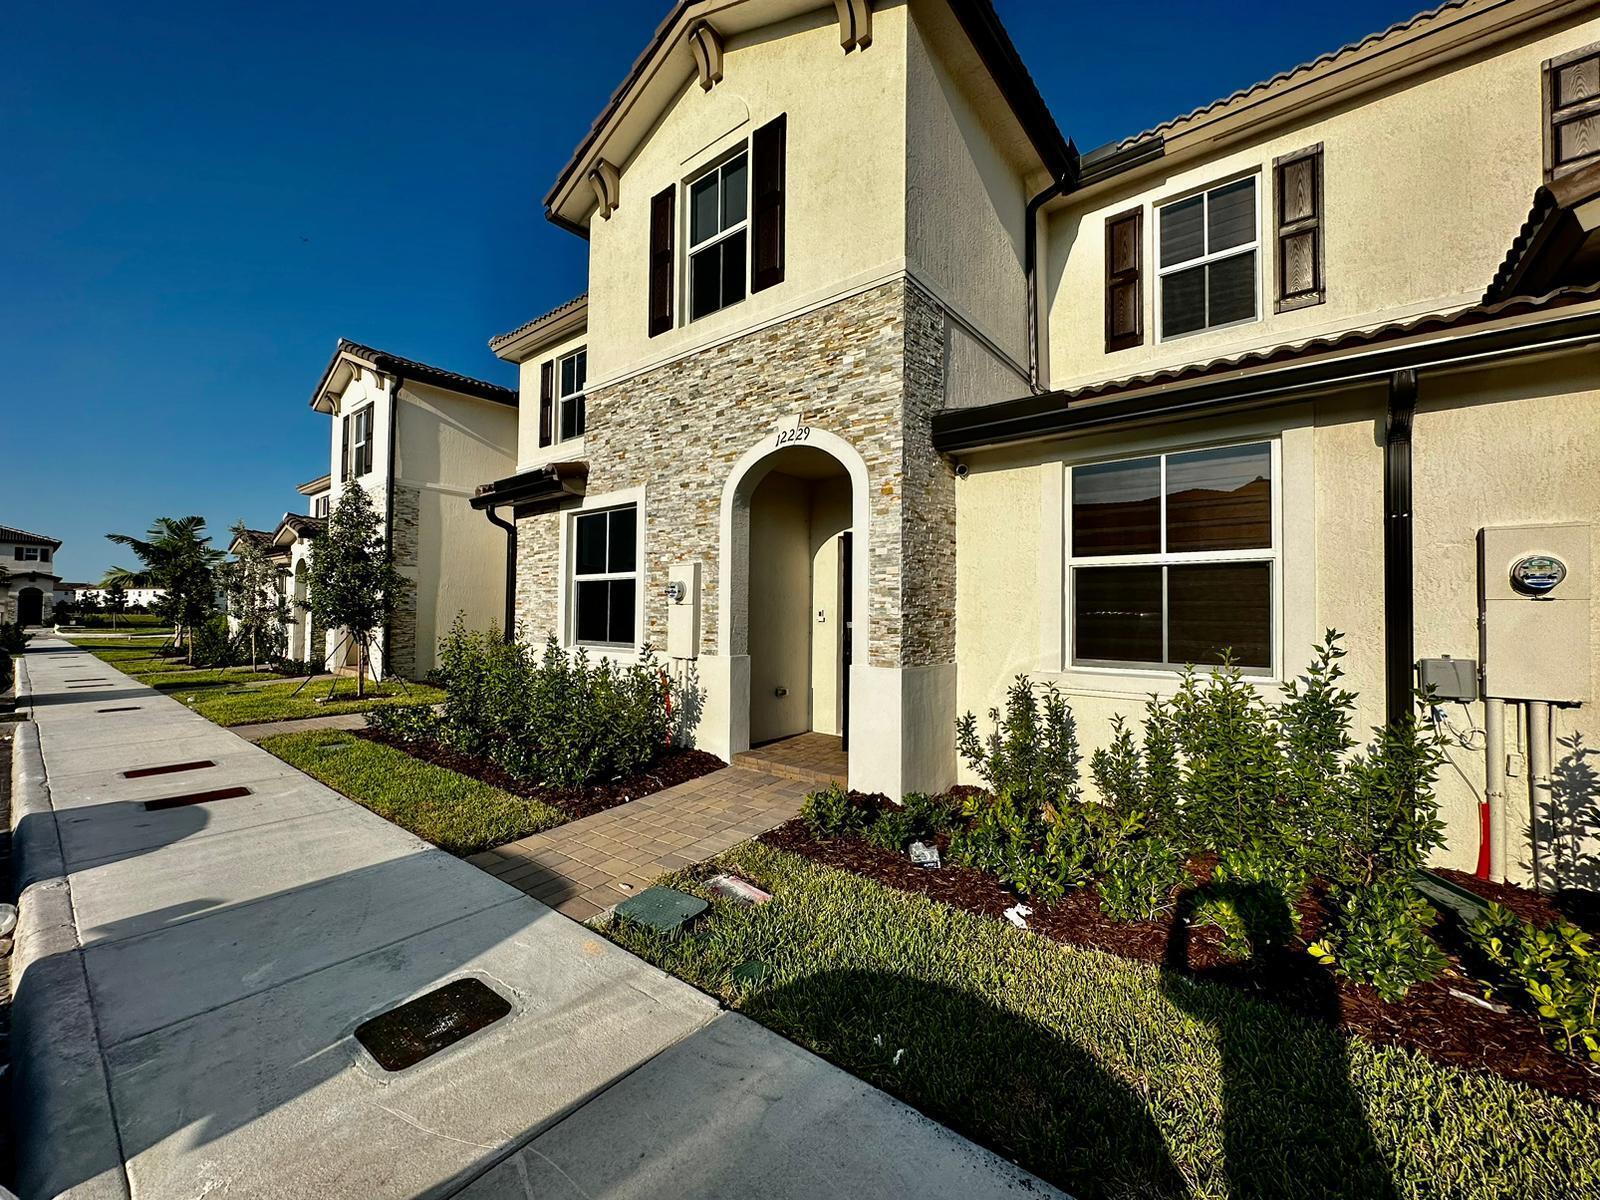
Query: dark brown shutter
[547, 403]
[767, 152]
[1124, 288]
[661, 261]
[1571, 111]
[344, 450]
[1297, 182]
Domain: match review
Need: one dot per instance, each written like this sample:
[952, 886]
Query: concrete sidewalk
[188, 979]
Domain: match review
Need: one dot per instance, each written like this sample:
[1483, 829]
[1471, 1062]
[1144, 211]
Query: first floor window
[719, 245]
[573, 372]
[1208, 251]
[1174, 559]
[605, 576]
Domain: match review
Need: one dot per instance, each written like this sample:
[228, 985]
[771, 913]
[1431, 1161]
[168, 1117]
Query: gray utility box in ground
[1534, 584]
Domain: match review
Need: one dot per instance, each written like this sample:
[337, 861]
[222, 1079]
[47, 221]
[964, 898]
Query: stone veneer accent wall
[869, 369]
[401, 645]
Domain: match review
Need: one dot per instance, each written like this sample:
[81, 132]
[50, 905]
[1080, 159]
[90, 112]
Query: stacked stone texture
[868, 369]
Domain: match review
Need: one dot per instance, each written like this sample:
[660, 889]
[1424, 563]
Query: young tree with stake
[253, 598]
[352, 583]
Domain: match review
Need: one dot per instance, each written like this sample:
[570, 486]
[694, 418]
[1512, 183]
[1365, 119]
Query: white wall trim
[590, 503]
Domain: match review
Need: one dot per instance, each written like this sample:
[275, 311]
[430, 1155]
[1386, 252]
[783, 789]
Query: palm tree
[177, 555]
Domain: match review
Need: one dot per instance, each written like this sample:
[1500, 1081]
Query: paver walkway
[190, 973]
[588, 865]
[818, 758]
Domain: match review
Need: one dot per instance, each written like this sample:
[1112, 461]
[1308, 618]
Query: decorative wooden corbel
[607, 185]
[855, 23]
[705, 43]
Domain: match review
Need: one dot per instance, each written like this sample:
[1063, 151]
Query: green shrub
[12, 638]
[1555, 970]
[1378, 935]
[409, 725]
[1139, 878]
[919, 818]
[1032, 749]
[832, 813]
[553, 718]
[215, 645]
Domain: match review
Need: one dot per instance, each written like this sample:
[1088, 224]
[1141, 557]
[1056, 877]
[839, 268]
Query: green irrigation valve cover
[664, 909]
[751, 973]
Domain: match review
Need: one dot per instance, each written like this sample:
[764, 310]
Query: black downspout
[1030, 267]
[1398, 599]
[509, 627]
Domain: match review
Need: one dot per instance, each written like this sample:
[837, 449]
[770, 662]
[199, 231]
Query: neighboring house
[133, 597]
[277, 587]
[29, 590]
[881, 393]
[419, 439]
[319, 495]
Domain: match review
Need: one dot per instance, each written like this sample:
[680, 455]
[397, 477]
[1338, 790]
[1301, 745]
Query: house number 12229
[799, 433]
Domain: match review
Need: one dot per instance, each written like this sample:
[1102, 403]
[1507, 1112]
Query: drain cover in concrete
[227, 793]
[664, 909]
[404, 1036]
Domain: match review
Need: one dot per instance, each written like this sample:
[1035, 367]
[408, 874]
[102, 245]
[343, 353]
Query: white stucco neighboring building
[419, 439]
[31, 587]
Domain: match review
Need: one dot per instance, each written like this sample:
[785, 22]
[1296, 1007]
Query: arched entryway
[30, 606]
[793, 614]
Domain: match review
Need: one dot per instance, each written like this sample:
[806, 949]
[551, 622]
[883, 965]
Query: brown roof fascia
[1559, 243]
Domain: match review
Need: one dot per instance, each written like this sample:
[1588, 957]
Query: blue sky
[198, 200]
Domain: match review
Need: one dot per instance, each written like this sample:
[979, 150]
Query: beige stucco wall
[1507, 446]
[965, 201]
[780, 595]
[447, 444]
[845, 197]
[1425, 187]
[830, 516]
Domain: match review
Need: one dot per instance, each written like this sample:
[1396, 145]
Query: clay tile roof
[1552, 247]
[1348, 48]
[22, 537]
[559, 310]
[424, 372]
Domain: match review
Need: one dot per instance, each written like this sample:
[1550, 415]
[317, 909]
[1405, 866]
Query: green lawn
[276, 702]
[451, 810]
[174, 681]
[1107, 1077]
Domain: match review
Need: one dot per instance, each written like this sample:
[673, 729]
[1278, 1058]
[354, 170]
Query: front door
[30, 606]
[847, 629]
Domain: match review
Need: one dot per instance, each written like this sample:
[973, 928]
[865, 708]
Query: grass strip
[451, 810]
[1110, 1078]
[175, 681]
[277, 702]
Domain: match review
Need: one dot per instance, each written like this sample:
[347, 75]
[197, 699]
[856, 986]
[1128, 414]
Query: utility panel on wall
[1534, 588]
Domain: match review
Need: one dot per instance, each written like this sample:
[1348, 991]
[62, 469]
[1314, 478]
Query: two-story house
[419, 439]
[29, 590]
[881, 393]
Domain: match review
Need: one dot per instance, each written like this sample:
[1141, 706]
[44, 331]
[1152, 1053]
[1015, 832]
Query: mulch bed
[669, 770]
[1432, 1020]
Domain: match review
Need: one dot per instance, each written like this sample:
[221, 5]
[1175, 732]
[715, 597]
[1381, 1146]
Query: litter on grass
[741, 891]
[1491, 1005]
[925, 856]
[1018, 915]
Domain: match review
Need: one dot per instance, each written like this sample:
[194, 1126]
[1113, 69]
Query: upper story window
[1209, 259]
[1174, 559]
[719, 241]
[356, 458]
[730, 224]
[605, 576]
[33, 554]
[319, 506]
[572, 371]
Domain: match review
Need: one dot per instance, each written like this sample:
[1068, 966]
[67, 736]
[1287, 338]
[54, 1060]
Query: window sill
[1131, 683]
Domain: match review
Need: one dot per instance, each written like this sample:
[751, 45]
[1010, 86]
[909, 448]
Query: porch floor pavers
[812, 757]
[580, 868]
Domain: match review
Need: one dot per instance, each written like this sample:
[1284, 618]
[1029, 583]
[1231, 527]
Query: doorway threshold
[818, 758]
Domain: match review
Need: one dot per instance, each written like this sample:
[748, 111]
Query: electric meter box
[1534, 584]
[1449, 679]
[683, 610]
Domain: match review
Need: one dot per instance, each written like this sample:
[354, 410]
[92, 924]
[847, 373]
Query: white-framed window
[1209, 259]
[1175, 558]
[572, 370]
[719, 238]
[32, 554]
[604, 596]
[319, 506]
[357, 457]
